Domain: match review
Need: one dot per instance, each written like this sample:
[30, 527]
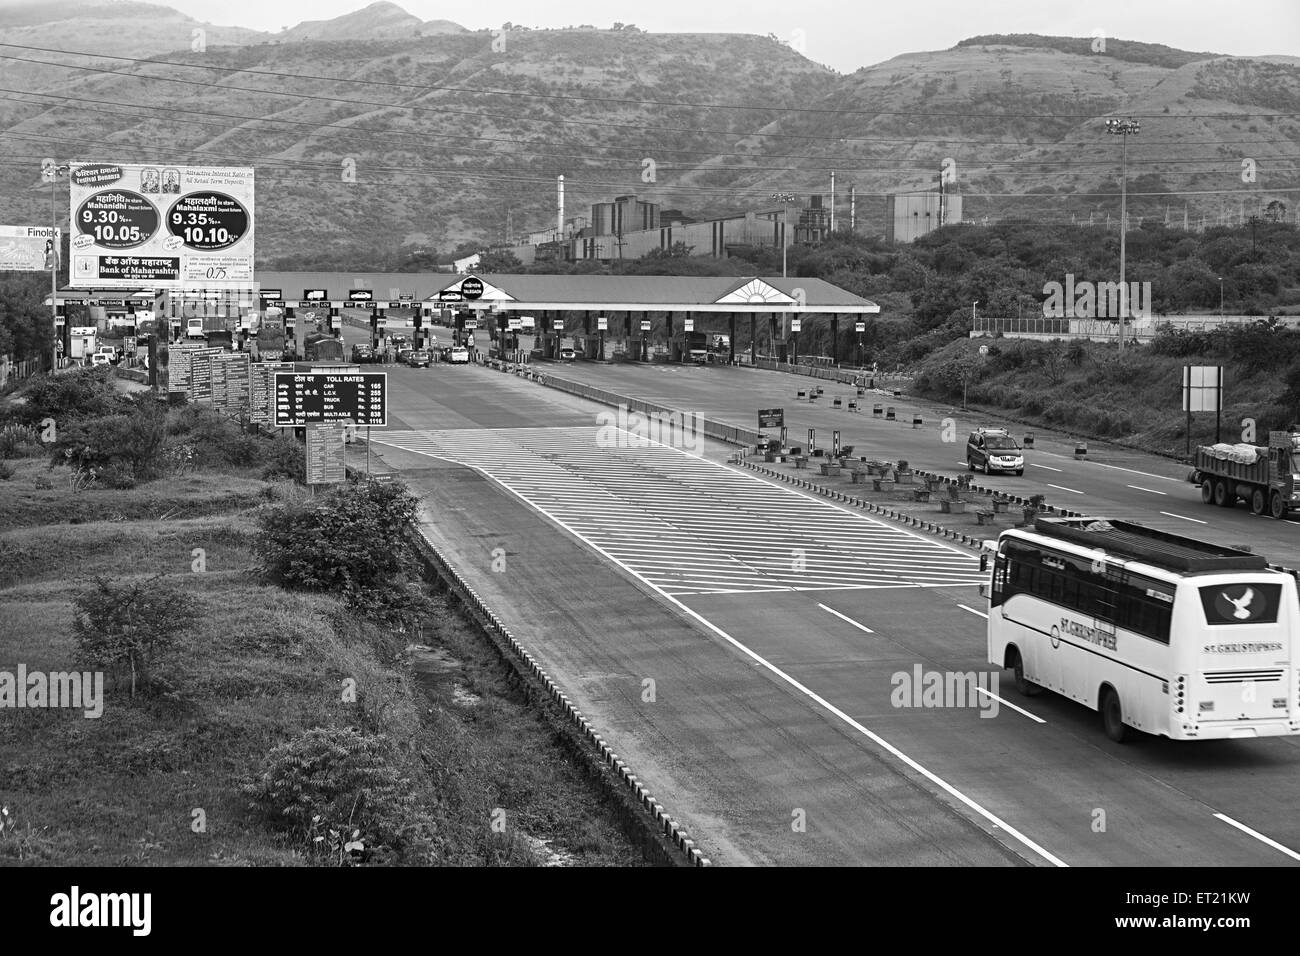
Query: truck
[1266, 478]
[695, 347]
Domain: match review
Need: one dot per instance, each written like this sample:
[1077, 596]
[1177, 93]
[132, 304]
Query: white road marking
[1063, 488]
[1134, 471]
[861, 627]
[1258, 836]
[1021, 710]
[1184, 517]
[972, 610]
[1151, 490]
[760, 661]
[1033, 464]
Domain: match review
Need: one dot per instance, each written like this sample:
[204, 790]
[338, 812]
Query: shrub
[122, 626]
[133, 441]
[19, 441]
[115, 475]
[6, 470]
[285, 458]
[70, 395]
[346, 542]
[340, 793]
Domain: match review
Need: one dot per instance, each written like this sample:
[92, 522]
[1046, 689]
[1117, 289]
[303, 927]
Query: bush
[20, 441]
[84, 393]
[134, 442]
[339, 792]
[6, 470]
[347, 542]
[285, 458]
[115, 475]
[122, 626]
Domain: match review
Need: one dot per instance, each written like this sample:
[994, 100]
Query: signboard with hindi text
[160, 226]
[307, 398]
[326, 455]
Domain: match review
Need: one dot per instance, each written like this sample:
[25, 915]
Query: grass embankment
[1089, 390]
[424, 760]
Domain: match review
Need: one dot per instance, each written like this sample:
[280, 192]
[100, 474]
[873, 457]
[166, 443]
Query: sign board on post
[160, 226]
[471, 288]
[557, 325]
[835, 444]
[1202, 388]
[261, 390]
[179, 367]
[796, 324]
[859, 326]
[326, 463]
[314, 397]
[688, 325]
[527, 321]
[602, 324]
[771, 417]
[514, 323]
[645, 325]
[812, 440]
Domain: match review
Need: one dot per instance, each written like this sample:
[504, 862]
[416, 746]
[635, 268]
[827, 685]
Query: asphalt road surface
[774, 629]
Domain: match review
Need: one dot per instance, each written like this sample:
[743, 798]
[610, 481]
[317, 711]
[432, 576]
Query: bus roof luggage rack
[1160, 548]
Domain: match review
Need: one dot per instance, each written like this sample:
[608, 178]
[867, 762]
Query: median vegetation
[281, 688]
[1090, 390]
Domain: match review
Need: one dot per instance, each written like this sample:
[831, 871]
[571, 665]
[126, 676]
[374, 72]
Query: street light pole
[1123, 128]
[1220, 296]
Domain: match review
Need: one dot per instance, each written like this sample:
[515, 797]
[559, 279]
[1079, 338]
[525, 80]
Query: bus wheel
[1026, 687]
[1276, 506]
[1257, 501]
[1112, 715]
[1207, 491]
[1221, 494]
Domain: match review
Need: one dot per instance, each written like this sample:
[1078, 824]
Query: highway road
[1111, 481]
[775, 626]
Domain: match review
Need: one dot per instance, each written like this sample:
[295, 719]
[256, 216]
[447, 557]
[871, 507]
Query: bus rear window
[1247, 602]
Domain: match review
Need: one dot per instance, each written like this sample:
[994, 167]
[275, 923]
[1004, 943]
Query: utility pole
[52, 173]
[832, 202]
[853, 208]
[1123, 128]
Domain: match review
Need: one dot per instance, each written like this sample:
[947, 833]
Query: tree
[1275, 211]
[499, 260]
[123, 626]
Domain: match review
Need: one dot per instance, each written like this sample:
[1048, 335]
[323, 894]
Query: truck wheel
[1207, 491]
[1276, 506]
[1221, 494]
[1258, 501]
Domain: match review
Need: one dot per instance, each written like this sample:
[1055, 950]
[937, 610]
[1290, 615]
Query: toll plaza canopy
[568, 293]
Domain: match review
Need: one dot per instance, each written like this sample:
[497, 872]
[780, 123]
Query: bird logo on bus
[1239, 607]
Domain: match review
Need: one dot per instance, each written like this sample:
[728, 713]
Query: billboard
[160, 225]
[29, 248]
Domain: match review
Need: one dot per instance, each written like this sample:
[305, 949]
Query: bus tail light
[1180, 698]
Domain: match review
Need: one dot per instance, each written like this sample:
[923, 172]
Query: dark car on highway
[362, 354]
[993, 449]
[419, 358]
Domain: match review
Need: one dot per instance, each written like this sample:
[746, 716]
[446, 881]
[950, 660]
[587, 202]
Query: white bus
[1165, 634]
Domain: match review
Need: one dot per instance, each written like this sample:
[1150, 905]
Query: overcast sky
[844, 34]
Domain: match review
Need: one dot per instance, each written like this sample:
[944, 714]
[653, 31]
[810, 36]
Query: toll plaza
[597, 316]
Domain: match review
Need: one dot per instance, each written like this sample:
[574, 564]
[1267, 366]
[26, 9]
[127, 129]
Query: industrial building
[909, 216]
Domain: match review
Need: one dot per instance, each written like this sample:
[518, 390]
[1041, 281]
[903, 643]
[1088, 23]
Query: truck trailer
[1266, 478]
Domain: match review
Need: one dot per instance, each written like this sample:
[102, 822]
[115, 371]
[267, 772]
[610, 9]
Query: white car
[99, 358]
[458, 356]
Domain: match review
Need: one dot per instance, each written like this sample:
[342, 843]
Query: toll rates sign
[315, 398]
[161, 226]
